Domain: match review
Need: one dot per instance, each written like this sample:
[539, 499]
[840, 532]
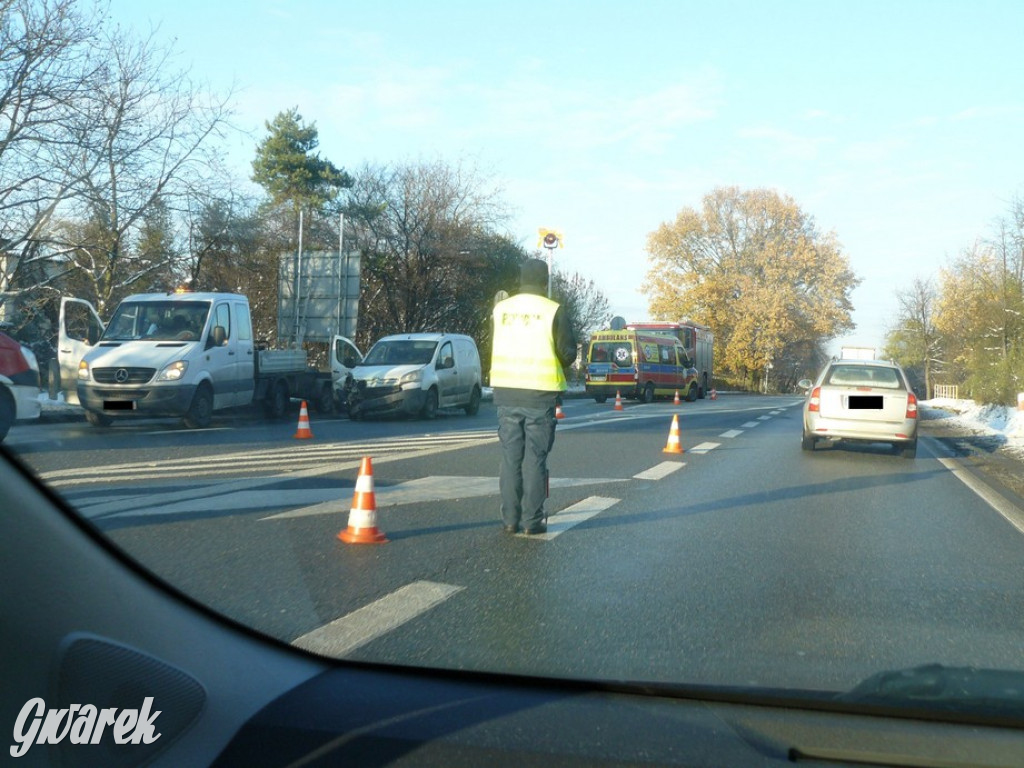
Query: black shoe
[536, 529]
[510, 528]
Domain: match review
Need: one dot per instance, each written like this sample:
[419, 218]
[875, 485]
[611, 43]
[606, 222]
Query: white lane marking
[704, 447]
[1013, 514]
[583, 510]
[156, 500]
[344, 635]
[659, 471]
[750, 424]
[433, 488]
[732, 433]
[763, 418]
[774, 413]
[278, 459]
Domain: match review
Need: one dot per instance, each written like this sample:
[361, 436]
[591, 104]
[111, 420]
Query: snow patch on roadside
[1000, 420]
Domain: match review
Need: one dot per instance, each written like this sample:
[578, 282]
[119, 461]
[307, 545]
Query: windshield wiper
[971, 690]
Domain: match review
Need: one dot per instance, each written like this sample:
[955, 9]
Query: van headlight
[411, 378]
[83, 371]
[173, 372]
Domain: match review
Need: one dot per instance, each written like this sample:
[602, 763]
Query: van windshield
[401, 352]
[618, 353]
[157, 321]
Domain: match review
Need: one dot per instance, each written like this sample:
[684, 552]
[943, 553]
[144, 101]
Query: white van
[415, 374]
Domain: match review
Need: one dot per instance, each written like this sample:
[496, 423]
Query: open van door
[80, 329]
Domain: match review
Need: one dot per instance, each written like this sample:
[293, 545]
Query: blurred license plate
[118, 405]
[865, 403]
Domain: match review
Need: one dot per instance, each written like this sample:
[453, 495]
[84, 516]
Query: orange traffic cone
[558, 412]
[303, 432]
[362, 518]
[676, 400]
[673, 445]
[618, 401]
[714, 394]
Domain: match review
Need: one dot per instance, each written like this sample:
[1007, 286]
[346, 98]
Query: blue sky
[897, 125]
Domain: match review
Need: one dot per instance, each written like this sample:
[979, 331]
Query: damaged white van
[414, 374]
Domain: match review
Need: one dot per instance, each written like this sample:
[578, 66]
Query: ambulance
[639, 365]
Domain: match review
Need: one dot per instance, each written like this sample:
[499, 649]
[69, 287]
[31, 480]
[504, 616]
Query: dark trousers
[526, 436]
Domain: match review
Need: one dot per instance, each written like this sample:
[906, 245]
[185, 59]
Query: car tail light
[911, 405]
[815, 401]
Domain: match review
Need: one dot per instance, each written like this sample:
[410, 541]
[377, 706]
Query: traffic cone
[362, 518]
[673, 445]
[303, 432]
[558, 412]
[676, 400]
[618, 401]
[714, 394]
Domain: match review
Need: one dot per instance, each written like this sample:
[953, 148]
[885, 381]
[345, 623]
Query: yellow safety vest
[524, 349]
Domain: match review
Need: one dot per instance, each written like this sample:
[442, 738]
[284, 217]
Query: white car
[866, 401]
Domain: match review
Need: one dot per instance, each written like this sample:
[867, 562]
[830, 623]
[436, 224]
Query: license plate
[597, 378]
[865, 403]
[118, 405]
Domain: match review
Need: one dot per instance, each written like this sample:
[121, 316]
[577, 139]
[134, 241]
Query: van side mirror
[218, 337]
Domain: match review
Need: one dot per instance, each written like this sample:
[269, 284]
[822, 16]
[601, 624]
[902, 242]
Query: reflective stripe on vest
[524, 349]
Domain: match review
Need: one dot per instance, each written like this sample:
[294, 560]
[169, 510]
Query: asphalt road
[741, 561]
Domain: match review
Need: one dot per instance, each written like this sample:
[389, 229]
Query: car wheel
[98, 419]
[473, 407]
[200, 413]
[648, 394]
[429, 410]
[807, 442]
[908, 450]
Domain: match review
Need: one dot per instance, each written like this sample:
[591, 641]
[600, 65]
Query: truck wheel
[473, 406]
[600, 398]
[98, 419]
[430, 405]
[324, 403]
[691, 393]
[276, 404]
[200, 413]
[648, 394]
[6, 412]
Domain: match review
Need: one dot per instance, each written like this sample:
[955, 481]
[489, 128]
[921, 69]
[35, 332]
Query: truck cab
[170, 354]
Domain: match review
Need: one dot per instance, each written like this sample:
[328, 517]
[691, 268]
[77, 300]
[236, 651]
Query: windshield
[157, 321]
[780, 180]
[619, 353]
[404, 352]
[864, 376]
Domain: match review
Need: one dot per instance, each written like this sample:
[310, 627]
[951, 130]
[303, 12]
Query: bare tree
[915, 342]
[45, 72]
[145, 133]
[417, 226]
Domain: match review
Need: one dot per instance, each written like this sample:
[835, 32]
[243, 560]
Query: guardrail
[946, 390]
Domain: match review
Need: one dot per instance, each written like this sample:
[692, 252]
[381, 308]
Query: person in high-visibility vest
[533, 343]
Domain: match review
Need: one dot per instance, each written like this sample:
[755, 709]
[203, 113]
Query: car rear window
[865, 376]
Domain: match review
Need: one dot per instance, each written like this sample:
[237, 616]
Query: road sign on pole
[549, 240]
